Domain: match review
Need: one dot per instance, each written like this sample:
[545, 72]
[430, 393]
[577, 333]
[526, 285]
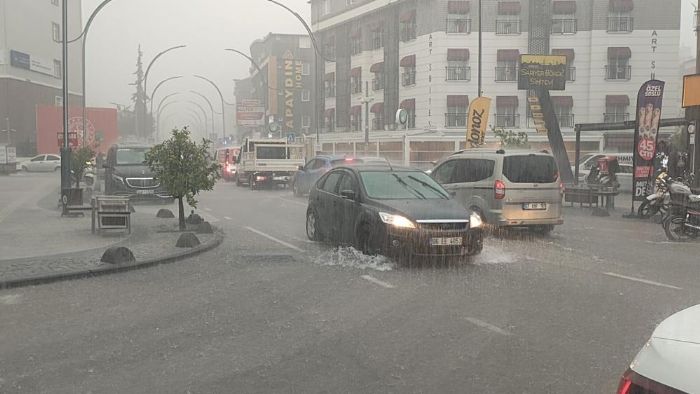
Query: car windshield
[400, 185]
[131, 156]
[530, 169]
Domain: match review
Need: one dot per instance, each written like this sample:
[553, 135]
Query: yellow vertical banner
[477, 121]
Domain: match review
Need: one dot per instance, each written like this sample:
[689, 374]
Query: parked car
[398, 212]
[519, 188]
[624, 177]
[668, 362]
[42, 163]
[126, 174]
[308, 174]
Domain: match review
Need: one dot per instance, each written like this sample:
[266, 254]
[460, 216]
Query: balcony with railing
[507, 120]
[507, 26]
[458, 25]
[408, 78]
[455, 119]
[507, 73]
[618, 73]
[620, 24]
[458, 73]
[564, 26]
[566, 120]
[378, 84]
[615, 117]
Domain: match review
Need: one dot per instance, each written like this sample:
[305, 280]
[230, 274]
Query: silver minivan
[519, 188]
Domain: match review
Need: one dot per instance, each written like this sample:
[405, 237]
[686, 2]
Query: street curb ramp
[113, 269]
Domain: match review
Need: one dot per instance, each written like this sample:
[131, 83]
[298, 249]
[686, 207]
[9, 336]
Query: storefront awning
[563, 101]
[356, 72]
[461, 54]
[458, 7]
[408, 104]
[506, 101]
[619, 52]
[617, 99]
[356, 110]
[569, 53]
[621, 5]
[329, 112]
[508, 55]
[458, 101]
[377, 67]
[408, 61]
[508, 7]
[377, 108]
[564, 7]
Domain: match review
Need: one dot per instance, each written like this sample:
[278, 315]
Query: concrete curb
[105, 270]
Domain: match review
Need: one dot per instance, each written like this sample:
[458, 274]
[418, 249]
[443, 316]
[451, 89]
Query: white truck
[268, 162]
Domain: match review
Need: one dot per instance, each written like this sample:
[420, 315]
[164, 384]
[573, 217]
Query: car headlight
[396, 220]
[475, 220]
[118, 178]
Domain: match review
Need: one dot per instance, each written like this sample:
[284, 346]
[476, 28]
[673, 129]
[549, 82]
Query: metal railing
[376, 42]
[355, 47]
[507, 74]
[507, 26]
[458, 73]
[510, 120]
[564, 26]
[618, 73]
[571, 73]
[408, 78]
[566, 120]
[458, 25]
[620, 24]
[615, 117]
[455, 119]
[378, 84]
[377, 124]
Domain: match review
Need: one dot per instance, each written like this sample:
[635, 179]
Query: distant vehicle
[519, 188]
[126, 174]
[227, 157]
[42, 163]
[589, 160]
[624, 176]
[268, 162]
[668, 362]
[308, 174]
[398, 212]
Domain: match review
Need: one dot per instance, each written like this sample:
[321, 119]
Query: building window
[563, 108]
[329, 48]
[305, 95]
[54, 2]
[407, 27]
[356, 118]
[619, 16]
[306, 121]
[378, 121]
[329, 85]
[508, 19]
[408, 76]
[456, 115]
[329, 120]
[410, 106]
[356, 43]
[324, 7]
[507, 65]
[377, 40]
[56, 31]
[356, 80]
[616, 108]
[564, 17]
[57, 69]
[306, 69]
[570, 69]
[618, 67]
[507, 111]
[458, 65]
[458, 17]
[378, 81]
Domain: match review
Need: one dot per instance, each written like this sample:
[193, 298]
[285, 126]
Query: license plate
[450, 241]
[144, 191]
[535, 206]
[281, 178]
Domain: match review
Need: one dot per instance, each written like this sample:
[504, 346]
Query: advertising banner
[250, 112]
[542, 72]
[646, 134]
[101, 124]
[477, 121]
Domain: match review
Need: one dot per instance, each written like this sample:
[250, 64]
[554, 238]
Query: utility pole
[696, 111]
[480, 47]
[9, 131]
[65, 149]
[366, 101]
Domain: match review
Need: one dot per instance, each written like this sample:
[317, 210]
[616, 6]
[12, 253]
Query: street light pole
[262, 76]
[153, 94]
[223, 102]
[366, 100]
[480, 49]
[211, 107]
[65, 151]
[206, 128]
[145, 85]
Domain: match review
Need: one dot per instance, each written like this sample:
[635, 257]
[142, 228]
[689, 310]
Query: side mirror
[301, 168]
[348, 194]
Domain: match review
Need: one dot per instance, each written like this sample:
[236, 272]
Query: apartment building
[422, 55]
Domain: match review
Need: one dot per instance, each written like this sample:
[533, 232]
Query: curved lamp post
[223, 102]
[260, 71]
[155, 90]
[204, 113]
[211, 108]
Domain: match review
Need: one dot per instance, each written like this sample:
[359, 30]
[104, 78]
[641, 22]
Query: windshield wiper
[429, 186]
[409, 187]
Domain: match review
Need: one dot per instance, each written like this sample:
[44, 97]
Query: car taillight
[499, 189]
[624, 386]
[556, 175]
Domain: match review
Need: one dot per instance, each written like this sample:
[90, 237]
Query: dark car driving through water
[398, 212]
[127, 174]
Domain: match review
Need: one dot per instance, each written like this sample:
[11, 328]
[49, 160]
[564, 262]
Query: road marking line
[648, 282]
[301, 239]
[10, 299]
[294, 202]
[487, 326]
[227, 218]
[377, 281]
[279, 241]
[209, 218]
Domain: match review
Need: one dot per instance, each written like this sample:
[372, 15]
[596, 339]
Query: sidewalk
[40, 246]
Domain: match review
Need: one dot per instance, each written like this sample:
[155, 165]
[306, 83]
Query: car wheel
[363, 240]
[297, 190]
[57, 169]
[251, 183]
[25, 169]
[543, 229]
[238, 181]
[674, 227]
[312, 229]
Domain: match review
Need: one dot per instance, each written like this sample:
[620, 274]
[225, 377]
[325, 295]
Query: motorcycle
[655, 203]
[682, 221]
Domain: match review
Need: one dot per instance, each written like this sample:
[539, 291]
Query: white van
[519, 188]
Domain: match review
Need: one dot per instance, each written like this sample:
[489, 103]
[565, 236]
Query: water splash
[353, 258]
[492, 254]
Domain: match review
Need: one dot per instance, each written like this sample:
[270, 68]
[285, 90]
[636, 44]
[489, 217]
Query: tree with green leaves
[184, 168]
[81, 160]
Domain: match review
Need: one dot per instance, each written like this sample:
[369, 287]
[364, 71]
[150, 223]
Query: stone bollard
[118, 255]
[205, 228]
[165, 214]
[187, 240]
